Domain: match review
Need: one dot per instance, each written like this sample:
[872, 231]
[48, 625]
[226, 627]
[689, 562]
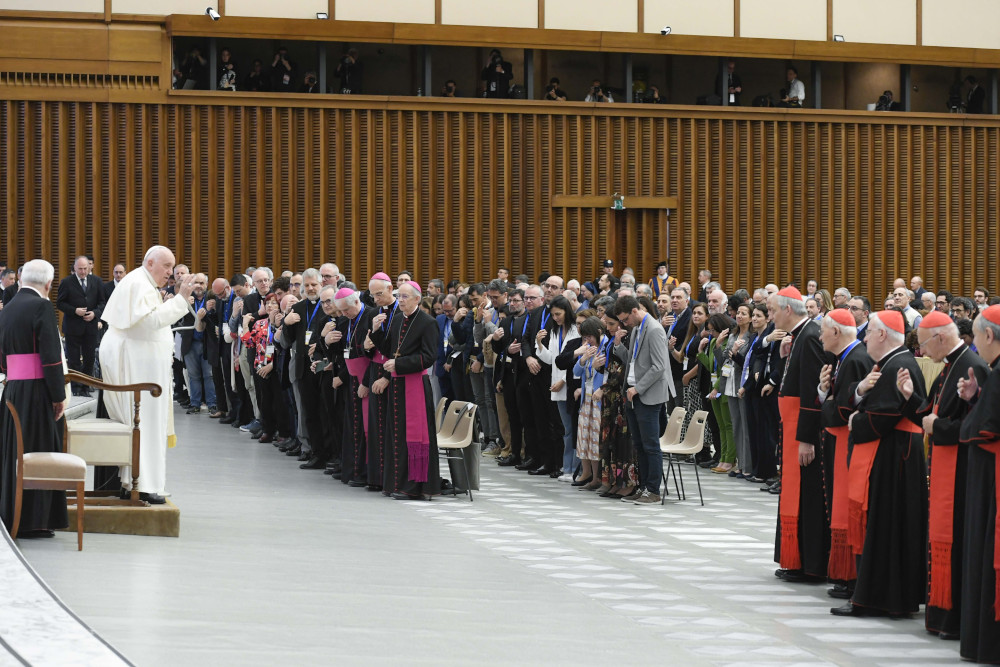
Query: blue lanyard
[560, 338]
[687, 348]
[388, 322]
[525, 328]
[270, 334]
[496, 317]
[843, 355]
[309, 320]
[545, 318]
[638, 334]
[746, 361]
[352, 327]
[590, 364]
[198, 306]
[608, 350]
[228, 311]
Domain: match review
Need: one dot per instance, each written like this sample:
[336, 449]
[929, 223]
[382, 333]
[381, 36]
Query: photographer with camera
[597, 93]
[497, 74]
[796, 94]
[449, 89]
[310, 84]
[282, 72]
[553, 92]
[653, 96]
[885, 102]
[349, 72]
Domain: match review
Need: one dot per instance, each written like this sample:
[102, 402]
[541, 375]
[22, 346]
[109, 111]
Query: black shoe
[257, 435]
[152, 498]
[544, 470]
[329, 471]
[847, 610]
[556, 473]
[582, 482]
[710, 463]
[305, 456]
[798, 577]
[527, 464]
[775, 489]
[508, 462]
[185, 405]
[336, 475]
[840, 591]
[294, 451]
[357, 483]
[312, 463]
[227, 420]
[35, 534]
[951, 636]
[397, 495]
[373, 488]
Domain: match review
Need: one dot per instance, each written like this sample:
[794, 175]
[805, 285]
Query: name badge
[347, 354]
[269, 351]
[456, 355]
[445, 344]
[715, 378]
[226, 330]
[685, 363]
[509, 360]
[727, 370]
[309, 335]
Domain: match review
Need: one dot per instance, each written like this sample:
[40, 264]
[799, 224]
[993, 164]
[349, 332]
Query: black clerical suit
[301, 335]
[677, 330]
[944, 401]
[80, 335]
[548, 423]
[28, 327]
[503, 374]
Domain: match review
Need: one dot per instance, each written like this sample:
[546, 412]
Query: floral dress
[588, 433]
[618, 460]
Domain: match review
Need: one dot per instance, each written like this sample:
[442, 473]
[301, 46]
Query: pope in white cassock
[138, 347]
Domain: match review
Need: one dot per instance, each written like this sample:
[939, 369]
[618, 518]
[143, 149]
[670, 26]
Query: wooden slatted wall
[456, 193]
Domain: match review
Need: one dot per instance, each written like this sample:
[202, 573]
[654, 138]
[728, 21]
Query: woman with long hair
[550, 343]
[619, 465]
[740, 341]
[761, 396]
[711, 349]
[687, 355]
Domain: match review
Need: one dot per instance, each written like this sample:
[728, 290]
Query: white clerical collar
[33, 289]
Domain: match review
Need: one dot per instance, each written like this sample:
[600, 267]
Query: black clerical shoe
[266, 437]
[399, 495]
[528, 464]
[543, 470]
[313, 463]
[294, 451]
[508, 462]
[848, 609]
[951, 636]
[305, 456]
[555, 473]
[357, 483]
[36, 534]
[227, 420]
[798, 577]
[373, 488]
[840, 591]
[152, 498]
[329, 471]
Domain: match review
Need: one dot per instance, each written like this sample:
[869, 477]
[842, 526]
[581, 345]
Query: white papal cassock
[138, 347]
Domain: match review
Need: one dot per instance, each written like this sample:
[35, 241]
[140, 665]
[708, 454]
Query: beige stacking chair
[47, 471]
[449, 418]
[439, 412]
[672, 436]
[106, 442]
[452, 444]
[694, 441]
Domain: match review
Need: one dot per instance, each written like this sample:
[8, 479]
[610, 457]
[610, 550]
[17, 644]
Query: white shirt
[548, 353]
[797, 89]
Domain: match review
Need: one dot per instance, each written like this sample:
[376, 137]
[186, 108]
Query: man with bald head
[218, 310]
[249, 310]
[137, 348]
[410, 350]
[81, 299]
[117, 273]
[329, 275]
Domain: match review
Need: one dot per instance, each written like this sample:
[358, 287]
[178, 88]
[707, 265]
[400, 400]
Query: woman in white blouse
[552, 342]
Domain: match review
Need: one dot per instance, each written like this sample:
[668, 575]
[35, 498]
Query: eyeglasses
[327, 302]
[928, 340]
[551, 286]
[855, 309]
[295, 284]
[532, 298]
[517, 300]
[327, 276]
[941, 303]
[622, 319]
[378, 294]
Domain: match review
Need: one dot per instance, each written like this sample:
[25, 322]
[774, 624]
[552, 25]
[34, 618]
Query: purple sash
[418, 439]
[357, 368]
[24, 367]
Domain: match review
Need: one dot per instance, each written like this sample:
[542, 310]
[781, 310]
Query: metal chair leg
[676, 487]
[680, 473]
[699, 484]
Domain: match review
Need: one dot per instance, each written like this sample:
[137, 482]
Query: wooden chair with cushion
[47, 471]
[106, 442]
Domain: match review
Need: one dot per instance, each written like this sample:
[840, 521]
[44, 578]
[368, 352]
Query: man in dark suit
[444, 346]
[10, 290]
[197, 346]
[860, 308]
[81, 299]
[976, 100]
[676, 323]
[117, 274]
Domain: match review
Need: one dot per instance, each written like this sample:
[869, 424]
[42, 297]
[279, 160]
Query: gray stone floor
[280, 566]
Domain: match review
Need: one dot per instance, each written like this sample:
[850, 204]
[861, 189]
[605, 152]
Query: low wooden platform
[154, 520]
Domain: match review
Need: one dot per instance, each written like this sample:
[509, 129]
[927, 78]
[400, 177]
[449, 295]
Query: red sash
[357, 368]
[862, 458]
[791, 476]
[418, 439]
[841, 566]
[994, 448]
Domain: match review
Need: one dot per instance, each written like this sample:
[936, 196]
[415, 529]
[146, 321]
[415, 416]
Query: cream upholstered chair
[459, 438]
[47, 471]
[694, 441]
[106, 442]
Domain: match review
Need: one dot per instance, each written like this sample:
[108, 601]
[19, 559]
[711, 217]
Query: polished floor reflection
[280, 566]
